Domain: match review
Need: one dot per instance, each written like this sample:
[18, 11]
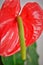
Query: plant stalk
[21, 37]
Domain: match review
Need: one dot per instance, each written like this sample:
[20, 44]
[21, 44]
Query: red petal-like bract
[8, 27]
[32, 17]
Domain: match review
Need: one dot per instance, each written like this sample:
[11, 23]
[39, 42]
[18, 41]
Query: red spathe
[32, 17]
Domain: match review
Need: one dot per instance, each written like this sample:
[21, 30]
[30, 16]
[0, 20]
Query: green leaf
[32, 56]
[19, 60]
[13, 60]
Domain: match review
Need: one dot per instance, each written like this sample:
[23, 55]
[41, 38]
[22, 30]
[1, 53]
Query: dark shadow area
[0, 61]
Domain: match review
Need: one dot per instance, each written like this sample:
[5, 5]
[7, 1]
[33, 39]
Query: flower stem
[22, 38]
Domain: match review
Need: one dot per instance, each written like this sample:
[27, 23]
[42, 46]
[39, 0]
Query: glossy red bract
[32, 17]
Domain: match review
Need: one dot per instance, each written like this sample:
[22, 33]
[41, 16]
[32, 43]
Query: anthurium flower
[32, 17]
